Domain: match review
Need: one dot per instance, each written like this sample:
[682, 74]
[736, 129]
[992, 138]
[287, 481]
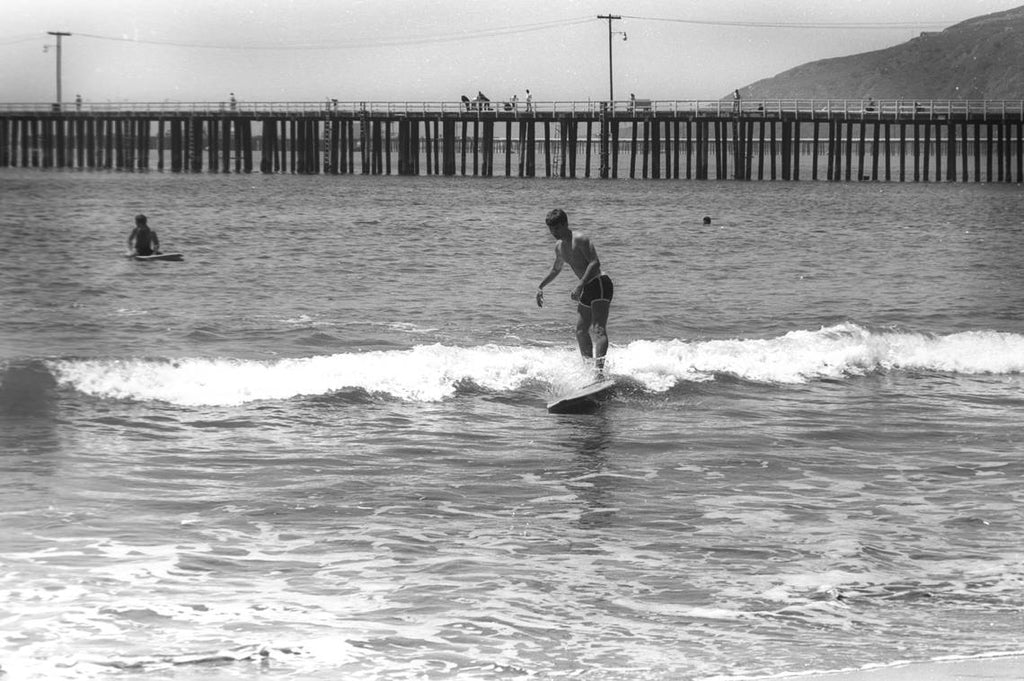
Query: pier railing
[861, 108]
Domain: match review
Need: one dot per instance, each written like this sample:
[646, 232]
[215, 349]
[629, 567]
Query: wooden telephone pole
[611, 82]
[59, 34]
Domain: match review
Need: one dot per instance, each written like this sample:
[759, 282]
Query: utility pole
[59, 35]
[608, 112]
[611, 84]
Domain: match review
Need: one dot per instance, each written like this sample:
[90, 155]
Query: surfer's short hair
[140, 219]
[556, 217]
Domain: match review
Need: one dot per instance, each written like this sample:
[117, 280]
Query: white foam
[424, 373]
[434, 372]
[832, 352]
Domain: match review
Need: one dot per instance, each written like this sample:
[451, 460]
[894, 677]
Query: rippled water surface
[318, 447]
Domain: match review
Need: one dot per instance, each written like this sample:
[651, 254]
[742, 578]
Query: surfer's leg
[598, 331]
[583, 323]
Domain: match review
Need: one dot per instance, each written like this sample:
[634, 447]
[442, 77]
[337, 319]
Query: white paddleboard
[582, 399]
[176, 257]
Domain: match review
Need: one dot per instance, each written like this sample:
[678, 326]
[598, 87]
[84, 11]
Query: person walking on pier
[529, 102]
[593, 294]
[143, 240]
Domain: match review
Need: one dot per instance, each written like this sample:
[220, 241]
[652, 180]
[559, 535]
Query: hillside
[981, 58]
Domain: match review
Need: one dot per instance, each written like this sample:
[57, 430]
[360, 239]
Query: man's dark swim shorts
[598, 288]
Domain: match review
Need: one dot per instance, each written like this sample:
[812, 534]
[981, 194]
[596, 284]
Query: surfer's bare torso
[579, 252]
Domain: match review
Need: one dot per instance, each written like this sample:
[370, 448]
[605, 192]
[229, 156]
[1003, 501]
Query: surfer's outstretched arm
[556, 267]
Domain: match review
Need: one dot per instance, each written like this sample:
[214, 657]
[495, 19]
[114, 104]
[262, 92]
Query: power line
[497, 32]
[25, 38]
[493, 33]
[383, 42]
[868, 25]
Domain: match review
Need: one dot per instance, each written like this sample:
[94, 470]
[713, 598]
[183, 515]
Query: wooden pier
[835, 140]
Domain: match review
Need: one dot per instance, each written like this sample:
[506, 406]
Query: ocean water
[318, 448]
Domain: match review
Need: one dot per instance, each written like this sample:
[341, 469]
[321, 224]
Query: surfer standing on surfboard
[143, 240]
[593, 295]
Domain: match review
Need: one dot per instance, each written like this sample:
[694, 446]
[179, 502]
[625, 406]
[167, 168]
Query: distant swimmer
[593, 294]
[143, 240]
[707, 220]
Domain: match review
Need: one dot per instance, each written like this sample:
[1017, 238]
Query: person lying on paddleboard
[143, 240]
[593, 294]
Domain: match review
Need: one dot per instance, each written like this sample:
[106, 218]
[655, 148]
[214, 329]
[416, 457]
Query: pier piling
[836, 141]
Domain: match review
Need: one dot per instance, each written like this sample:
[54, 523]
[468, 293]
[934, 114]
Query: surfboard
[175, 257]
[582, 400]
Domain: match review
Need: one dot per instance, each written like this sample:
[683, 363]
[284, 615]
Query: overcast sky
[433, 50]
